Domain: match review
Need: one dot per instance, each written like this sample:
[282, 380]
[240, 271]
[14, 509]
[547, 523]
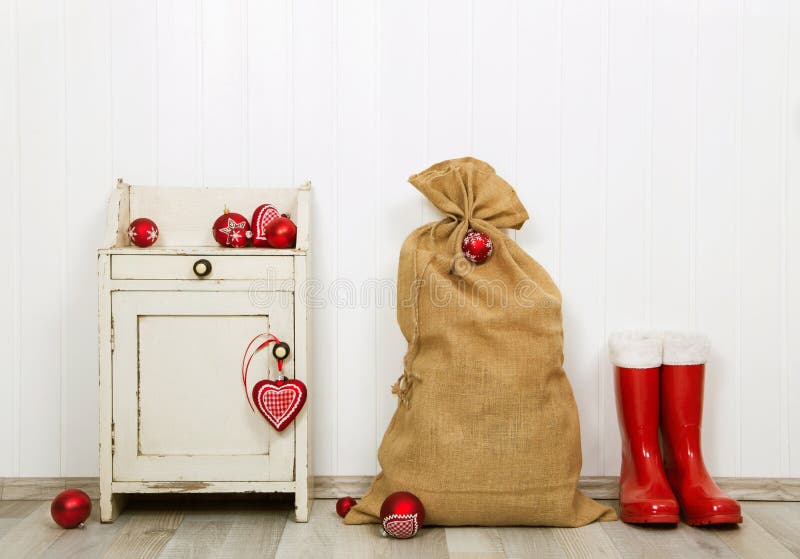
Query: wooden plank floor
[183, 527]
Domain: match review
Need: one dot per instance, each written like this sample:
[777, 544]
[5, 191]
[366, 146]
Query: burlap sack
[486, 430]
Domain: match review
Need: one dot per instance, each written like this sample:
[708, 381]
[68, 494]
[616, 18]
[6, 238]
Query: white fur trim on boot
[686, 348]
[635, 349]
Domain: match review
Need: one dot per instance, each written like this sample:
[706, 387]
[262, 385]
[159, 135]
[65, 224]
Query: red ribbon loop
[271, 338]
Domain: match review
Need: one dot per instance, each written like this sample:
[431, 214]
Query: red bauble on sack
[143, 232]
[262, 217]
[281, 232]
[402, 515]
[71, 508]
[477, 247]
[231, 229]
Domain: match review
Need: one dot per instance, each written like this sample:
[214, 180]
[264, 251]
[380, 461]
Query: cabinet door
[180, 412]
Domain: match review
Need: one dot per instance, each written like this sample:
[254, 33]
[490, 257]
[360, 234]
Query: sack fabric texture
[486, 430]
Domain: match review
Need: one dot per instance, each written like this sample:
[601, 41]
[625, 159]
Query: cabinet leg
[302, 508]
[111, 505]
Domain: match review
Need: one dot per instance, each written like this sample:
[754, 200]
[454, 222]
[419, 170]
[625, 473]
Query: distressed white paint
[655, 144]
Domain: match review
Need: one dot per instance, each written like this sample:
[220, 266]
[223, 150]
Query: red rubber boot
[682, 375]
[644, 492]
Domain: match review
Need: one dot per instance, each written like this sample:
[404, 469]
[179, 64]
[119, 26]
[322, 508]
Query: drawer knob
[202, 267]
[281, 351]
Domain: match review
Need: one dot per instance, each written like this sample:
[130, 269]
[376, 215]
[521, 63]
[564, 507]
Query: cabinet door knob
[281, 350]
[202, 267]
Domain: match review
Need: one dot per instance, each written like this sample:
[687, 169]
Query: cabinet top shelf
[200, 250]
[185, 216]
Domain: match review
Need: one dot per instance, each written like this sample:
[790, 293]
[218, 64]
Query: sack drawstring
[405, 382]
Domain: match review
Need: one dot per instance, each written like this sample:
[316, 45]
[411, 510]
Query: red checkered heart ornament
[279, 401]
[262, 216]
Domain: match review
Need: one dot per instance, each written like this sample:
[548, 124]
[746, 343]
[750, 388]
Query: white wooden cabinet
[173, 414]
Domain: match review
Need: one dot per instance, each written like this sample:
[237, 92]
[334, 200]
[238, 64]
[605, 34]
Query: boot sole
[714, 519]
[650, 518]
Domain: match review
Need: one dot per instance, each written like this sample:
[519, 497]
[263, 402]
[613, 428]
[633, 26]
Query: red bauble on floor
[71, 508]
[344, 505]
[402, 515]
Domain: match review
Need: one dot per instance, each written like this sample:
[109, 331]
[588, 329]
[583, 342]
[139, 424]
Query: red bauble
[71, 508]
[477, 246]
[344, 505]
[231, 229]
[281, 232]
[402, 515]
[262, 217]
[143, 232]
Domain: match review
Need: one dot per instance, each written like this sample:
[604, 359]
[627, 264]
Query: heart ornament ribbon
[279, 401]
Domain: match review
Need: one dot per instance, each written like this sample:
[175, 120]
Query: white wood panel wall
[656, 145]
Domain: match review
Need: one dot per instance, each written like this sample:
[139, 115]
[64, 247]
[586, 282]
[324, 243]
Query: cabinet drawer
[238, 267]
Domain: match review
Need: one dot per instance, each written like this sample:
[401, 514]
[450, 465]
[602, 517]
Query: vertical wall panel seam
[516, 102]
[17, 251]
[693, 192]
[290, 124]
[244, 26]
[560, 141]
[785, 462]
[789, 382]
[111, 85]
[601, 354]
[338, 236]
[738, 222]
[63, 256]
[471, 68]
[200, 38]
[649, 191]
[157, 111]
[426, 150]
[376, 269]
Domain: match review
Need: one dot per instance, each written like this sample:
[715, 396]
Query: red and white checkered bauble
[279, 401]
[262, 217]
[402, 515]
